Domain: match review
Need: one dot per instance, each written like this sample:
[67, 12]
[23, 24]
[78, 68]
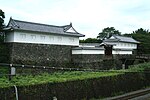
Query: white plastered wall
[41, 38]
[84, 51]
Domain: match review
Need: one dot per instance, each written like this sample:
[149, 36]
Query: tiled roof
[122, 39]
[107, 43]
[43, 28]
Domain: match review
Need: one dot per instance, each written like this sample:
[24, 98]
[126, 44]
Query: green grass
[4, 70]
[21, 80]
[139, 67]
[52, 78]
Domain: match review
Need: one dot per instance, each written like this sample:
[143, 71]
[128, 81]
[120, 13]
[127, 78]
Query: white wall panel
[24, 37]
[121, 52]
[84, 51]
[120, 45]
[9, 37]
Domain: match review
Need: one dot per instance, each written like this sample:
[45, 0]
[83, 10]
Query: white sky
[88, 17]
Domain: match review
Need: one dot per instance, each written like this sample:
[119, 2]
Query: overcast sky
[88, 17]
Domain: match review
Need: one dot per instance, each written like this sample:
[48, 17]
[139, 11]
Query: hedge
[80, 89]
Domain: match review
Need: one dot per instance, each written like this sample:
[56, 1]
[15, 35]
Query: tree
[91, 40]
[2, 16]
[143, 36]
[141, 31]
[108, 32]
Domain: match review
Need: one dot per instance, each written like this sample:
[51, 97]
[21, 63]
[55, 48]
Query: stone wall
[53, 56]
[41, 54]
[5, 51]
[95, 61]
[87, 58]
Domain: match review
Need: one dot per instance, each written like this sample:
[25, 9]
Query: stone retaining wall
[5, 52]
[53, 56]
[40, 54]
[95, 61]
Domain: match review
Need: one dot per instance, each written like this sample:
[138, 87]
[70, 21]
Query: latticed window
[33, 36]
[42, 37]
[23, 36]
[51, 38]
[59, 38]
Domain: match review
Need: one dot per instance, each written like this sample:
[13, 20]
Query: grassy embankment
[20, 80]
[140, 67]
[52, 78]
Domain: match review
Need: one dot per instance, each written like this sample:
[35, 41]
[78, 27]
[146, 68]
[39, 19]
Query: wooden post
[12, 71]
[9, 74]
[123, 66]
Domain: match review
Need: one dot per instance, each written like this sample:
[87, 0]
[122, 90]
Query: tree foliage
[108, 32]
[2, 16]
[141, 31]
[143, 36]
[91, 40]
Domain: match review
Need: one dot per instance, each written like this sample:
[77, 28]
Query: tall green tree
[141, 31]
[108, 32]
[2, 16]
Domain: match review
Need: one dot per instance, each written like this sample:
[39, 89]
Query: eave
[71, 34]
